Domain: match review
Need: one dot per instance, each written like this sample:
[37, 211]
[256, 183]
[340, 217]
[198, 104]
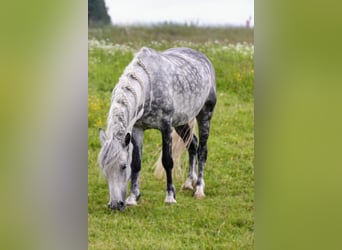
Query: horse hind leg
[190, 139]
[203, 120]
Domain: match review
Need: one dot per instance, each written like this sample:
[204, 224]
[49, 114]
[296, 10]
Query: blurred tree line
[97, 12]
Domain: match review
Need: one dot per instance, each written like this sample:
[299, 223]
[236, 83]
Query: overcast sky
[203, 12]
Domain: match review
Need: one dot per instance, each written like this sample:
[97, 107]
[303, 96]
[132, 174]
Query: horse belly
[182, 111]
[186, 109]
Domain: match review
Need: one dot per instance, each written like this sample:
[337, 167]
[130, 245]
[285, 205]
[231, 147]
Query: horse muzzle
[117, 205]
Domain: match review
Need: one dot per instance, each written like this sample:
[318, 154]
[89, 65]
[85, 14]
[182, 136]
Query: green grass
[171, 32]
[224, 219]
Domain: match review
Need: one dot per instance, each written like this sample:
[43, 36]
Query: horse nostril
[121, 205]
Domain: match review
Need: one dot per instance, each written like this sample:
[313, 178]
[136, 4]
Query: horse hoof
[170, 199]
[199, 194]
[131, 201]
[187, 186]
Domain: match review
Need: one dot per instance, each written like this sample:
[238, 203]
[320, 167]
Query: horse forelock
[109, 153]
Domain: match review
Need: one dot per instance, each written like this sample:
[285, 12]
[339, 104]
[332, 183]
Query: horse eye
[123, 167]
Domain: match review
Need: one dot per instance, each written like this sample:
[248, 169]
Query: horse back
[181, 80]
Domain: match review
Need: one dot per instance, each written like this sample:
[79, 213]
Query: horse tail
[178, 147]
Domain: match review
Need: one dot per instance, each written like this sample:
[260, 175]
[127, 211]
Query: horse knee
[167, 161]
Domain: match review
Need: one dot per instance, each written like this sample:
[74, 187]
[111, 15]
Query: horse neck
[127, 104]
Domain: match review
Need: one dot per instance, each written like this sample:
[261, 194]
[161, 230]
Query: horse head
[115, 160]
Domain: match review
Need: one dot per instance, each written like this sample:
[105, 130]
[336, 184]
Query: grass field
[224, 219]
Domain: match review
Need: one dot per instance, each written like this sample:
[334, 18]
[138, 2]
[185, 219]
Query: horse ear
[127, 139]
[103, 136]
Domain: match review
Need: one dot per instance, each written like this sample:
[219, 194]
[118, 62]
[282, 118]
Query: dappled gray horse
[160, 91]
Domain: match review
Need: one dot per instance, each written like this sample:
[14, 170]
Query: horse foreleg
[137, 139]
[168, 162]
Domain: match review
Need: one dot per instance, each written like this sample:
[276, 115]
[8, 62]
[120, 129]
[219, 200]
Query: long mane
[127, 96]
